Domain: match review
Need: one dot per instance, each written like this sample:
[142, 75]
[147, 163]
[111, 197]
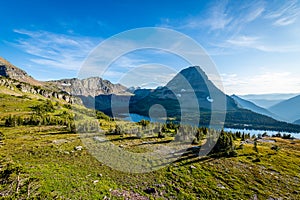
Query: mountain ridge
[288, 108]
[253, 107]
[9, 70]
[91, 86]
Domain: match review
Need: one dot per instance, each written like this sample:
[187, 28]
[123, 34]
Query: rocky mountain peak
[92, 86]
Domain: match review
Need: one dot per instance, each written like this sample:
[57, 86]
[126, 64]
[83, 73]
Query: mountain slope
[242, 103]
[10, 71]
[16, 82]
[288, 109]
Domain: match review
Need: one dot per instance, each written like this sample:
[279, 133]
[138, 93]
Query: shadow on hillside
[186, 157]
[154, 142]
[131, 138]
[191, 155]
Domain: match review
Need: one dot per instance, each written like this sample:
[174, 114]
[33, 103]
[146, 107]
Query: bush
[286, 136]
[275, 148]
[160, 135]
[224, 146]
[43, 108]
[195, 141]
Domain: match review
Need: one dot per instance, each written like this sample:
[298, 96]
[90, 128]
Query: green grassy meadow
[41, 162]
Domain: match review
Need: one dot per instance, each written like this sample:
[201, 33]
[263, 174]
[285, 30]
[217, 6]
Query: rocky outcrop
[10, 71]
[16, 85]
[93, 86]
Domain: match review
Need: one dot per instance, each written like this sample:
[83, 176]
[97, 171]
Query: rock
[219, 185]
[255, 197]
[123, 194]
[193, 167]
[95, 181]
[100, 139]
[60, 141]
[78, 148]
[159, 185]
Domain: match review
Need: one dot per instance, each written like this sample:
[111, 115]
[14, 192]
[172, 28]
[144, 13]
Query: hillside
[10, 71]
[289, 109]
[51, 162]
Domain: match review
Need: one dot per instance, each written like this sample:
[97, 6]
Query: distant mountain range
[288, 109]
[297, 122]
[242, 103]
[175, 97]
[267, 100]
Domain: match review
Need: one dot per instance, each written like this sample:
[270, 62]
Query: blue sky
[255, 45]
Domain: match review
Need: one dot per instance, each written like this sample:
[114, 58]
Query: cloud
[55, 50]
[244, 41]
[254, 13]
[149, 75]
[219, 18]
[286, 14]
[270, 82]
[223, 30]
[256, 43]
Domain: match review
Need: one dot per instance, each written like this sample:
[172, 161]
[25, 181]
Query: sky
[254, 45]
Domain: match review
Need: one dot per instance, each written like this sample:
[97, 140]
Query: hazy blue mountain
[267, 100]
[242, 103]
[297, 122]
[289, 109]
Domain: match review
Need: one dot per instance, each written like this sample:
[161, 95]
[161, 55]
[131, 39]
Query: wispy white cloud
[219, 17]
[55, 50]
[148, 76]
[245, 41]
[285, 14]
[255, 12]
[257, 43]
[267, 81]
[226, 30]
[129, 62]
